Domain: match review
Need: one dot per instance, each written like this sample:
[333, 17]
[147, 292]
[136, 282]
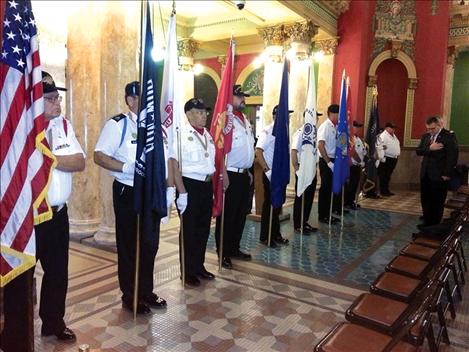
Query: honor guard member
[52, 236]
[265, 156]
[309, 191]
[326, 148]
[358, 163]
[115, 151]
[198, 166]
[392, 149]
[237, 182]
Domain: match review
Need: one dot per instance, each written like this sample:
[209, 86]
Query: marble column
[187, 48]
[274, 38]
[300, 35]
[119, 66]
[326, 48]
[452, 56]
[84, 111]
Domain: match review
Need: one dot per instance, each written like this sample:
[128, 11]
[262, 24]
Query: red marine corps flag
[221, 129]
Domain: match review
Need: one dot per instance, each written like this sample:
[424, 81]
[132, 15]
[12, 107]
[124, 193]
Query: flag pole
[330, 209]
[137, 241]
[181, 215]
[302, 212]
[342, 215]
[222, 230]
[270, 225]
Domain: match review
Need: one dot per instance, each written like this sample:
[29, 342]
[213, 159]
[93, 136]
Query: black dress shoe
[281, 240]
[155, 302]
[142, 308]
[266, 242]
[339, 213]
[206, 275]
[305, 231]
[66, 335]
[310, 228]
[226, 263]
[243, 256]
[192, 280]
[326, 220]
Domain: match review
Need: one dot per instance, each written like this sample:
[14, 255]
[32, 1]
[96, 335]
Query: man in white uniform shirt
[198, 166]
[326, 148]
[116, 151]
[309, 191]
[392, 149]
[239, 161]
[52, 236]
[265, 156]
[358, 155]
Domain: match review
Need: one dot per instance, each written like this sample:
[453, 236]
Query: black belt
[57, 208]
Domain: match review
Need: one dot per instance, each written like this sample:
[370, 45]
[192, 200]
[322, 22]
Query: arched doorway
[205, 88]
[392, 94]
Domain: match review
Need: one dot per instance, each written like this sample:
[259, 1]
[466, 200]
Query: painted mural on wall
[254, 82]
[395, 26]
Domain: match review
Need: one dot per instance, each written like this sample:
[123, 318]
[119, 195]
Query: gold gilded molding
[336, 6]
[372, 81]
[413, 83]
[222, 60]
[327, 46]
[301, 32]
[274, 35]
[187, 47]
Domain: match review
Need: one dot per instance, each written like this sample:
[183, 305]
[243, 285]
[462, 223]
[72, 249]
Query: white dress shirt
[109, 143]
[393, 148]
[62, 141]
[327, 133]
[266, 142]
[241, 155]
[198, 153]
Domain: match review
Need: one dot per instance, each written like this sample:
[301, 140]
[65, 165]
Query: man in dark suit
[439, 149]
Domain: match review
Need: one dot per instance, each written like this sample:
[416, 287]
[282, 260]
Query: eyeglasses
[54, 100]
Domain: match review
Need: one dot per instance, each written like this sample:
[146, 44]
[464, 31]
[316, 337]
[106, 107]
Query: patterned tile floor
[286, 299]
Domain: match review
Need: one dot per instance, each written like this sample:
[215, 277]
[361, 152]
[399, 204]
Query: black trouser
[265, 217]
[236, 209]
[308, 203]
[196, 224]
[384, 172]
[52, 251]
[324, 202]
[352, 185]
[433, 196]
[126, 236]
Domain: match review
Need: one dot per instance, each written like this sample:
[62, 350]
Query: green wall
[459, 122]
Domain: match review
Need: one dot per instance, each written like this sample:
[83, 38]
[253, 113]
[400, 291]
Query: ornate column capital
[186, 50]
[327, 46]
[272, 36]
[413, 82]
[301, 32]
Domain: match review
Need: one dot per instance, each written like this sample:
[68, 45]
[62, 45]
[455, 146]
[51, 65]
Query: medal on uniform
[204, 145]
[190, 139]
[134, 135]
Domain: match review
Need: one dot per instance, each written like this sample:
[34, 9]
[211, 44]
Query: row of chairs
[418, 287]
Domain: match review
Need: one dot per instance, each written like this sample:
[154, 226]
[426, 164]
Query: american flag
[25, 157]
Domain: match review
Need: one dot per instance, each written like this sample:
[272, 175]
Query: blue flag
[150, 169]
[281, 162]
[341, 162]
[370, 140]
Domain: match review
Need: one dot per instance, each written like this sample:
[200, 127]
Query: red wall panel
[392, 94]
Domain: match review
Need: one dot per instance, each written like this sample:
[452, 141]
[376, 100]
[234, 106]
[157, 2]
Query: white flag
[170, 93]
[170, 106]
[309, 151]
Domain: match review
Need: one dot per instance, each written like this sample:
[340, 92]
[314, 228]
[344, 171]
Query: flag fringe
[28, 261]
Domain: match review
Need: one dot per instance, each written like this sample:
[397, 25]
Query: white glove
[128, 168]
[181, 202]
[169, 197]
[331, 165]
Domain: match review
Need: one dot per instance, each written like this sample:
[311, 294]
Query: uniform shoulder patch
[117, 118]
